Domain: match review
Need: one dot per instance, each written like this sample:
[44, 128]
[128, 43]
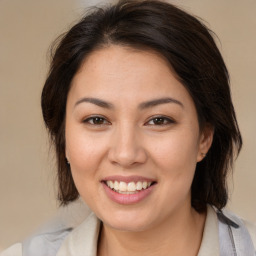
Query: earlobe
[205, 142]
[67, 156]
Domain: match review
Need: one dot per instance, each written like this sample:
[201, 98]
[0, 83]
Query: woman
[138, 106]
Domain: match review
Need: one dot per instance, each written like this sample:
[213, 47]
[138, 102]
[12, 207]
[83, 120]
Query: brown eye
[96, 120]
[160, 121]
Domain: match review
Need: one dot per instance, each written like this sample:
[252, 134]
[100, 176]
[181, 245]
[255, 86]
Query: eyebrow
[152, 103]
[97, 102]
[143, 105]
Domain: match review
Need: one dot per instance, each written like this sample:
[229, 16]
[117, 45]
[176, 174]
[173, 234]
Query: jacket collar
[210, 242]
[83, 239]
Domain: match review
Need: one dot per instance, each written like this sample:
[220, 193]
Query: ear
[205, 142]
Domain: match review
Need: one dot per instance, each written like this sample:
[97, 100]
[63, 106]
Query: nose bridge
[126, 147]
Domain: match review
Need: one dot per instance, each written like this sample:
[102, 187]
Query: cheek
[176, 151]
[84, 153]
[176, 159]
[84, 157]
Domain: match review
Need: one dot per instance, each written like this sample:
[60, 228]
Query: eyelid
[170, 120]
[87, 119]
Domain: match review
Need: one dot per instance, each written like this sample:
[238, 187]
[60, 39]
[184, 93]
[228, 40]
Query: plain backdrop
[27, 170]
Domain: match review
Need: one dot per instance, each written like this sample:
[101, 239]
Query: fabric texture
[14, 250]
[235, 238]
[75, 231]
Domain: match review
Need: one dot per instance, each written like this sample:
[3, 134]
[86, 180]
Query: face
[132, 138]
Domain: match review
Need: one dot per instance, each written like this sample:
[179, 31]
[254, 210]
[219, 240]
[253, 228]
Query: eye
[96, 120]
[160, 121]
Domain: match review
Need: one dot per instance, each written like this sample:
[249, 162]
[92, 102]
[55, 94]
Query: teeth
[144, 184]
[130, 188]
[116, 185]
[110, 184]
[126, 192]
[122, 186]
[139, 185]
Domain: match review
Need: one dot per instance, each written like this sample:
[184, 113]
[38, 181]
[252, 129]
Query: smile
[128, 188]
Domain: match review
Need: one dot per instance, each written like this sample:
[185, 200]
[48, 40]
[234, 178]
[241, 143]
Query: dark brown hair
[190, 49]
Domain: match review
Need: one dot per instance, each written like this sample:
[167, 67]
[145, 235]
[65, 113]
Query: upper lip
[127, 179]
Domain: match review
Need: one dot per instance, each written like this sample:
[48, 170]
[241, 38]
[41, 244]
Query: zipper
[232, 240]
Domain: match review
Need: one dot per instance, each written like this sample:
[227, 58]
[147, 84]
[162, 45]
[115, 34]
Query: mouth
[129, 188]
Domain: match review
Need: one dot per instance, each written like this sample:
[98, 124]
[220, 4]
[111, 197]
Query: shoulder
[14, 250]
[251, 227]
[83, 239]
[241, 233]
[49, 238]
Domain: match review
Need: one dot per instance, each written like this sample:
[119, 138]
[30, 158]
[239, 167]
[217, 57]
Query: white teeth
[144, 184]
[139, 185]
[116, 185]
[122, 186]
[110, 184]
[126, 192]
[130, 188]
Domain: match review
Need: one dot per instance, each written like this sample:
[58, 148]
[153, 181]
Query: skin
[128, 141]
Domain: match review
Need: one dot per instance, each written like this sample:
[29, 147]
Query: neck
[179, 235]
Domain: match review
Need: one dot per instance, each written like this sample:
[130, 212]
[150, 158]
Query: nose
[126, 147]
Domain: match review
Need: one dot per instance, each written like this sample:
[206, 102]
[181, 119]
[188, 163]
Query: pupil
[159, 120]
[98, 120]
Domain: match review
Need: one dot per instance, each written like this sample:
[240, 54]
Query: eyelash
[167, 120]
[94, 118]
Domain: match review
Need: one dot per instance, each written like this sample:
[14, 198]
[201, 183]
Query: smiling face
[132, 138]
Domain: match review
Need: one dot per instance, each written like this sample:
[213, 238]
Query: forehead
[127, 73]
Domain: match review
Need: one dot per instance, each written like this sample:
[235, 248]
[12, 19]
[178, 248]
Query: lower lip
[127, 198]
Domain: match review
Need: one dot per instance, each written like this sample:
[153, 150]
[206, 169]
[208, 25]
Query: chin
[128, 222]
[127, 227]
